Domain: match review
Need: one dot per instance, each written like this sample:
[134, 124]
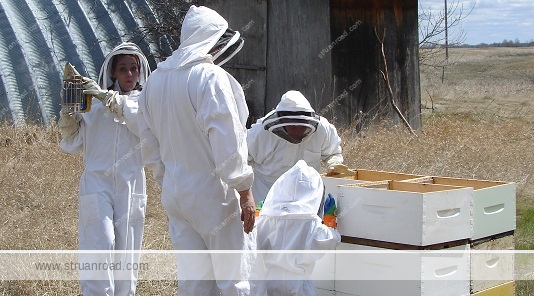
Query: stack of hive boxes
[494, 222]
[383, 217]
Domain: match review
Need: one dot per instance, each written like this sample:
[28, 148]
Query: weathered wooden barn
[332, 52]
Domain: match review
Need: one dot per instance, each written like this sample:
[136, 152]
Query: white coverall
[289, 221]
[270, 155]
[112, 193]
[193, 126]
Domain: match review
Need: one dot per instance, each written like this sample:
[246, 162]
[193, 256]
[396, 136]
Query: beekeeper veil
[226, 47]
[293, 111]
[104, 78]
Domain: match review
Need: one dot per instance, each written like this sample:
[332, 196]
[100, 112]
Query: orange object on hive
[330, 221]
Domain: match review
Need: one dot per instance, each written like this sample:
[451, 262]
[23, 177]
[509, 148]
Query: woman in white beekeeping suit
[291, 132]
[112, 193]
[291, 219]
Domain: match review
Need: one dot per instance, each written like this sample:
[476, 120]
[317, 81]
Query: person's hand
[90, 84]
[248, 209]
[90, 87]
[110, 98]
[258, 208]
[69, 124]
[339, 169]
[330, 212]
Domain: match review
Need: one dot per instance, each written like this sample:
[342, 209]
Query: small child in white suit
[289, 220]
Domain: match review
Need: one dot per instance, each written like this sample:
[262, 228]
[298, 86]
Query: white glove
[110, 98]
[339, 169]
[69, 124]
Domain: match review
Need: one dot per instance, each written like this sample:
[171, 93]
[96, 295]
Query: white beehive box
[493, 204]
[325, 292]
[491, 264]
[323, 274]
[376, 271]
[406, 213]
[360, 176]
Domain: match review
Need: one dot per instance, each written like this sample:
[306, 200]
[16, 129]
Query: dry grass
[455, 145]
[496, 81]
[39, 182]
[39, 206]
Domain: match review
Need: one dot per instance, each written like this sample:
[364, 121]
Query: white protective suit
[270, 155]
[193, 126]
[289, 221]
[112, 193]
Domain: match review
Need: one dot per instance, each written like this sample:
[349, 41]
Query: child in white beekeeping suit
[290, 220]
[112, 193]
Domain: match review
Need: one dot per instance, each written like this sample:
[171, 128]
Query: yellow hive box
[506, 289]
[490, 269]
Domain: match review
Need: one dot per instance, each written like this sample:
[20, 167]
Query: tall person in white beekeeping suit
[112, 193]
[291, 132]
[193, 121]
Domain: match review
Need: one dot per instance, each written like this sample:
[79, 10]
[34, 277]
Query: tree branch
[386, 79]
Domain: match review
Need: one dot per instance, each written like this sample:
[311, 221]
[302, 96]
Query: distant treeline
[504, 43]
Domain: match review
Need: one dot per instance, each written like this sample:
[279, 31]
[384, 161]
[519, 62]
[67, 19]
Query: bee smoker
[72, 98]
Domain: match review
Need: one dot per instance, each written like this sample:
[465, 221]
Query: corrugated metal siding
[158, 45]
[81, 34]
[37, 38]
[14, 71]
[40, 63]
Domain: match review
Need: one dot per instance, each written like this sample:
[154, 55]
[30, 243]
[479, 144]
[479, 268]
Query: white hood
[201, 29]
[294, 101]
[104, 78]
[299, 191]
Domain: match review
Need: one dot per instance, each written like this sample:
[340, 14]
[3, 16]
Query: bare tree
[433, 29]
[163, 20]
[171, 14]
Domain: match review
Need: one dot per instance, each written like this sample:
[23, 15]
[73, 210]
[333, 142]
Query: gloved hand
[69, 124]
[258, 208]
[339, 169]
[330, 212]
[109, 98]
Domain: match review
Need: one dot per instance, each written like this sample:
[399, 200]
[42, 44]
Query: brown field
[478, 123]
[497, 82]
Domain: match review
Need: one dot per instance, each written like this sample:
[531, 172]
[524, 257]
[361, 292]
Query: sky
[490, 21]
